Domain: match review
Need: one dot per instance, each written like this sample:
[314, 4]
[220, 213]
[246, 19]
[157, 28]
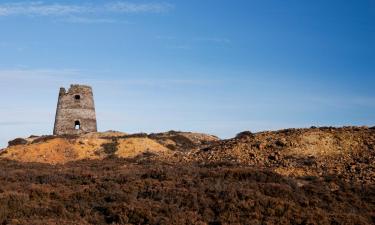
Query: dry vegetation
[294, 176]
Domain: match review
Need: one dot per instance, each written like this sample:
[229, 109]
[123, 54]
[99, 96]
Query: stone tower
[75, 113]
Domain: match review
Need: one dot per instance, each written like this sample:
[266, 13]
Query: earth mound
[348, 152]
[295, 176]
[67, 148]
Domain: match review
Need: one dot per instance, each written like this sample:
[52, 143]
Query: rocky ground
[320, 175]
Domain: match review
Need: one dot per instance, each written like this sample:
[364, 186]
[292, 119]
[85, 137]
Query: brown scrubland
[320, 175]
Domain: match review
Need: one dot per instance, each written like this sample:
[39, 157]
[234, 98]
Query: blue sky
[214, 66]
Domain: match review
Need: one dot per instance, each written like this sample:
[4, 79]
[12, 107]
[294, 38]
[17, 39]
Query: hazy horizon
[218, 67]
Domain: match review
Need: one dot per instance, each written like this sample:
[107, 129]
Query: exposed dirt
[293, 176]
[346, 152]
[63, 149]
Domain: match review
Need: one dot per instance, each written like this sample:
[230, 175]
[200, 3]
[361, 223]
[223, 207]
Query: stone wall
[75, 112]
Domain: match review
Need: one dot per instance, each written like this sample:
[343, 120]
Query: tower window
[77, 97]
[77, 125]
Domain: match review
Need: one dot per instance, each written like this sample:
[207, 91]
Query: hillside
[291, 152]
[62, 149]
[294, 176]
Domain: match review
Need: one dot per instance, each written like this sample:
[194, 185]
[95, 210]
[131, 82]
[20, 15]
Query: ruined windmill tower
[75, 113]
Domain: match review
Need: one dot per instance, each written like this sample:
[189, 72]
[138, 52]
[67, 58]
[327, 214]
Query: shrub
[123, 191]
[111, 147]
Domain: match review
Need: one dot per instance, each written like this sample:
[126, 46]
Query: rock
[244, 134]
[17, 141]
[281, 142]
[273, 157]
[33, 136]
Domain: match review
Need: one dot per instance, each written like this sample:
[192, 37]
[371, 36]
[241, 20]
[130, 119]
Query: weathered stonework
[75, 113]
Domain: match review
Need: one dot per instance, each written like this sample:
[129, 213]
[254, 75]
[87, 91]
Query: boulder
[17, 141]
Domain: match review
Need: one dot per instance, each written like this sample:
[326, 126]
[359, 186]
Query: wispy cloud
[179, 47]
[36, 78]
[88, 20]
[163, 37]
[3, 44]
[217, 40]
[344, 101]
[187, 43]
[128, 7]
[40, 8]
[15, 74]
[18, 123]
